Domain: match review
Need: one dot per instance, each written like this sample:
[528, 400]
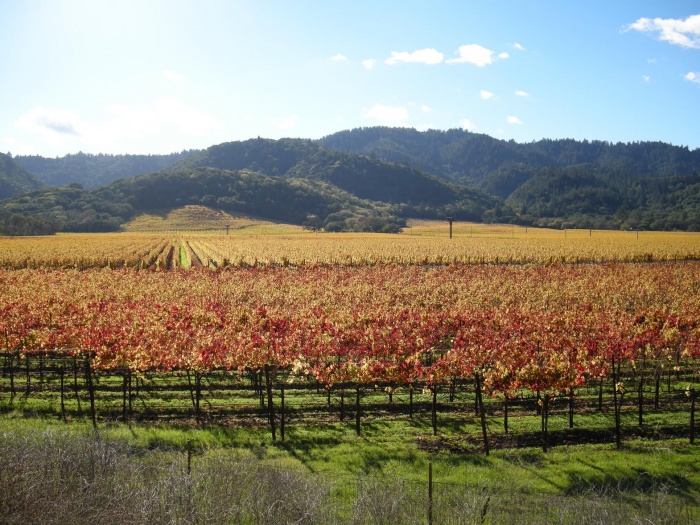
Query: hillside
[296, 201]
[93, 171]
[274, 198]
[413, 192]
[389, 176]
[646, 185]
[201, 218]
[14, 179]
[463, 156]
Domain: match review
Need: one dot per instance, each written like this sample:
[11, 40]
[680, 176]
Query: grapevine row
[535, 247]
[547, 330]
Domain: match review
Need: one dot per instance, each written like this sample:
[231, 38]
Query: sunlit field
[256, 243]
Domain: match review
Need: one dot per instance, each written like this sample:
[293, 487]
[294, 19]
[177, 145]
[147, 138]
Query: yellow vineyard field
[421, 242]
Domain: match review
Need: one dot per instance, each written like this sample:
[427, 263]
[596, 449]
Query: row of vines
[507, 331]
[174, 251]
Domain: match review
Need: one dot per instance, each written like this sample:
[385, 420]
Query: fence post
[91, 391]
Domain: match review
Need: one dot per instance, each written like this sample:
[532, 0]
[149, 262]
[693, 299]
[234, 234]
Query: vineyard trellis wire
[239, 398]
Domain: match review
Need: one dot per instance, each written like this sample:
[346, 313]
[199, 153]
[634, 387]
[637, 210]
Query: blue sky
[159, 76]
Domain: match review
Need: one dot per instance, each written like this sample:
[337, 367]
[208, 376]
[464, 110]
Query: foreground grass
[326, 474]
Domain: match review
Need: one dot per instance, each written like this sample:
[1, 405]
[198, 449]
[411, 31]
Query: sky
[162, 76]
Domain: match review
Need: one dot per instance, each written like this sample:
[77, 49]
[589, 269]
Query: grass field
[324, 473]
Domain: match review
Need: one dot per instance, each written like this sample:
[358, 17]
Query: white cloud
[172, 76]
[486, 95]
[286, 123]
[426, 109]
[684, 33]
[513, 120]
[646, 79]
[518, 47]
[521, 93]
[503, 55]
[52, 122]
[165, 125]
[473, 54]
[339, 58]
[692, 77]
[369, 63]
[423, 56]
[467, 124]
[387, 115]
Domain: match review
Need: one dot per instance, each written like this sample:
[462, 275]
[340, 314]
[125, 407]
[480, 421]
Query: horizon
[340, 131]
[162, 77]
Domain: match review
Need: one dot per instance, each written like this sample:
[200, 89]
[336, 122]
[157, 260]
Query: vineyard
[328, 373]
[259, 345]
[254, 244]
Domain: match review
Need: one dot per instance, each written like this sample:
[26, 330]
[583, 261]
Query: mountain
[373, 179]
[243, 191]
[587, 197]
[293, 200]
[93, 171]
[474, 158]
[413, 192]
[14, 179]
[646, 185]
[289, 180]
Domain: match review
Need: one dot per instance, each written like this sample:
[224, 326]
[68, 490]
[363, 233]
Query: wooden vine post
[28, 387]
[13, 392]
[571, 408]
[282, 411]
[618, 392]
[91, 391]
[62, 374]
[545, 421]
[125, 392]
[195, 392]
[482, 414]
[357, 410]
[75, 382]
[692, 392]
[433, 409]
[270, 406]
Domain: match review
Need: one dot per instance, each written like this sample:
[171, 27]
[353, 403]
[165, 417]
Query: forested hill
[462, 156]
[92, 171]
[373, 179]
[14, 179]
[289, 180]
[559, 183]
[414, 193]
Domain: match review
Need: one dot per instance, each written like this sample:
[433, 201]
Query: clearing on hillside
[201, 218]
